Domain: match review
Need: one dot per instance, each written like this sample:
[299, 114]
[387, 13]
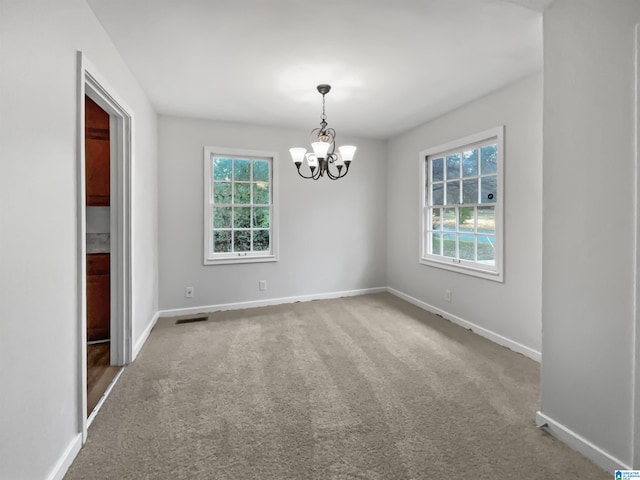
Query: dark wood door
[98, 297]
[97, 168]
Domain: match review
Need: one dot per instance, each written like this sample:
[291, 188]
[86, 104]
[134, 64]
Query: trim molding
[264, 303]
[635, 378]
[66, 459]
[145, 335]
[93, 84]
[580, 444]
[483, 332]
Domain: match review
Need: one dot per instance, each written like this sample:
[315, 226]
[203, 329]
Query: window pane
[222, 217]
[242, 170]
[453, 192]
[222, 169]
[221, 192]
[436, 243]
[242, 193]
[242, 217]
[489, 159]
[261, 193]
[466, 219]
[261, 171]
[438, 170]
[486, 249]
[467, 247]
[261, 217]
[438, 194]
[470, 163]
[453, 166]
[242, 241]
[470, 191]
[486, 220]
[261, 240]
[436, 223]
[222, 241]
[449, 222]
[488, 185]
[449, 245]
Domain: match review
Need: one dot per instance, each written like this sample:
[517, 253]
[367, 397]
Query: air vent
[191, 320]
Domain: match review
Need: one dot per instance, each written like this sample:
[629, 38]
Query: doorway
[100, 371]
[104, 238]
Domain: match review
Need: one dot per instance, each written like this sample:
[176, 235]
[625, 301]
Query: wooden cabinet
[98, 296]
[97, 154]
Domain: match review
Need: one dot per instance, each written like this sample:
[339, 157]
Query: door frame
[94, 85]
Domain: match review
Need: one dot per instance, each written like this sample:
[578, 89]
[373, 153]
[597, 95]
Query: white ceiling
[393, 64]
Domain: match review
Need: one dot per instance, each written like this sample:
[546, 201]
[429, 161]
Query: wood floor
[99, 373]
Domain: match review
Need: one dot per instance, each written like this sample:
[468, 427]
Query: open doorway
[104, 243]
[100, 370]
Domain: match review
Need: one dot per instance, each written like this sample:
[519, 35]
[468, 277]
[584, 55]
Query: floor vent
[191, 320]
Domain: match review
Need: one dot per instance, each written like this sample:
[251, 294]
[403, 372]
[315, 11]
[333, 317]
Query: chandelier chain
[323, 117]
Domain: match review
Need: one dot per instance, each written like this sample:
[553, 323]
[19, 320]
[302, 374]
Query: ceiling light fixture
[323, 142]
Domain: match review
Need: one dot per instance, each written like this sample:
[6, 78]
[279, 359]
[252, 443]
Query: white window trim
[460, 266]
[271, 256]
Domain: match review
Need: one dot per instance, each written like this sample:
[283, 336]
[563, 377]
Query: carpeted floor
[366, 387]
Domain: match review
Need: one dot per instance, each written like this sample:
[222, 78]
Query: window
[461, 205]
[239, 206]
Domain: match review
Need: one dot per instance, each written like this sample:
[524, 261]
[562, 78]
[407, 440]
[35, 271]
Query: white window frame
[213, 258]
[490, 272]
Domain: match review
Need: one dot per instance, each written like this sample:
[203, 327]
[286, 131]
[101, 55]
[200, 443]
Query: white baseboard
[143, 338]
[580, 444]
[483, 332]
[66, 459]
[267, 302]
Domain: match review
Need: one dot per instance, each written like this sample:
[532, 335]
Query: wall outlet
[262, 285]
[188, 292]
[447, 295]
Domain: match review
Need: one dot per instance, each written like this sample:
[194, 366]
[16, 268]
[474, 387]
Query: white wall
[589, 214]
[38, 223]
[332, 233]
[510, 309]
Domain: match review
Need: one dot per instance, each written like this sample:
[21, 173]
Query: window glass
[489, 159]
[438, 170]
[470, 163]
[453, 166]
[453, 192]
[438, 194]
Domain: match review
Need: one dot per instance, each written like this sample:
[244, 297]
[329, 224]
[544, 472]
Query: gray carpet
[365, 387]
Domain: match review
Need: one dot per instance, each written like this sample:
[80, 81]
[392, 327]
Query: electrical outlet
[447, 295]
[262, 285]
[188, 292]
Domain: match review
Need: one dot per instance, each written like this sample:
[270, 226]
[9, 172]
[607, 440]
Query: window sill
[452, 266]
[243, 259]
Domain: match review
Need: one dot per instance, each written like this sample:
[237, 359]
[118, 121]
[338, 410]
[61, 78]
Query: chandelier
[323, 160]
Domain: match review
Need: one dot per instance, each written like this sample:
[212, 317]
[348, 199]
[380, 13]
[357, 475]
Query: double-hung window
[239, 206]
[462, 204]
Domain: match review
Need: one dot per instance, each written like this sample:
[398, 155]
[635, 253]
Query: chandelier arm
[342, 171]
[305, 176]
[333, 176]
